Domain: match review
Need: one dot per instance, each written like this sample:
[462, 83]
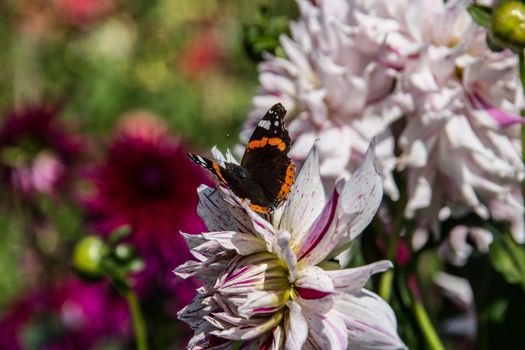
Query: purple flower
[37, 151]
[66, 316]
[146, 182]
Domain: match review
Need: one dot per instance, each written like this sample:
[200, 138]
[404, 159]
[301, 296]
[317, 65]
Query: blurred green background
[184, 60]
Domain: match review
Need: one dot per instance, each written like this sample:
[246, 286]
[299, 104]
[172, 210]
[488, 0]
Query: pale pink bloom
[334, 91]
[417, 75]
[461, 242]
[269, 281]
[459, 291]
[460, 147]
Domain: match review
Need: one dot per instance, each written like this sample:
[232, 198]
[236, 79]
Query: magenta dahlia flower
[66, 316]
[37, 151]
[146, 182]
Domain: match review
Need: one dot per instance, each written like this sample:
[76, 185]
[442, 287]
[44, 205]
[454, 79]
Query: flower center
[254, 284]
[152, 181]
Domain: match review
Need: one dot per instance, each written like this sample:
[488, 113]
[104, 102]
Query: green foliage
[508, 258]
[480, 14]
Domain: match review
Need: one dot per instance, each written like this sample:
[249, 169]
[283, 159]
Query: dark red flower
[37, 150]
[66, 316]
[147, 182]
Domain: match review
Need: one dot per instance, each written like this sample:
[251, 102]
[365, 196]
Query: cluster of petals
[419, 77]
[271, 283]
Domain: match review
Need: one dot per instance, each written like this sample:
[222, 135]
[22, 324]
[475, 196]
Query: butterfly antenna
[228, 151]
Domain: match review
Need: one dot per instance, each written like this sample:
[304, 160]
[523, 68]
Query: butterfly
[266, 174]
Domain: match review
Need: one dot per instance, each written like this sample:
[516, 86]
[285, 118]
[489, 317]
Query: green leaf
[508, 258]
[480, 14]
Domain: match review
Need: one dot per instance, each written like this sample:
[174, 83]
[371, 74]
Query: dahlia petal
[314, 289]
[327, 331]
[320, 240]
[502, 118]
[285, 252]
[313, 283]
[242, 243]
[203, 340]
[305, 201]
[216, 214]
[245, 331]
[353, 279]
[193, 313]
[296, 327]
[369, 320]
[361, 196]
[261, 227]
[263, 302]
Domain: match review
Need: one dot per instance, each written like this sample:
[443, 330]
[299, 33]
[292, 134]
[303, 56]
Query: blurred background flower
[145, 181]
[66, 315]
[37, 151]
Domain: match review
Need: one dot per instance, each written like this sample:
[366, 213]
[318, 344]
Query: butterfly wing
[266, 156]
[210, 165]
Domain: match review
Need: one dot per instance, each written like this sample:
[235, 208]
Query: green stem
[426, 326]
[385, 282]
[138, 320]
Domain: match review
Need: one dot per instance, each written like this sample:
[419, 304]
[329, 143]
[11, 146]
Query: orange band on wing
[217, 169]
[274, 141]
[259, 209]
[288, 182]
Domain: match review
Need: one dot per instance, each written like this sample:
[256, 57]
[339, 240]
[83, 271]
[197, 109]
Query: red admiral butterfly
[266, 173]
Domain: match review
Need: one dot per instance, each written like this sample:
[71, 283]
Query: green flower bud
[507, 28]
[88, 257]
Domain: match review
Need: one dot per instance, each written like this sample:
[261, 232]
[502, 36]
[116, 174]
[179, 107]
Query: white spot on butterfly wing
[265, 124]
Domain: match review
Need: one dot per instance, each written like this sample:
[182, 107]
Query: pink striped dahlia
[146, 182]
[269, 281]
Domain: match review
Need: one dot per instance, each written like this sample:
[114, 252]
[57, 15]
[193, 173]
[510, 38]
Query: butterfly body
[266, 173]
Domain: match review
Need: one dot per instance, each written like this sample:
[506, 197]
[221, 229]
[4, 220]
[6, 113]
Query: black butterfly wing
[266, 156]
[214, 167]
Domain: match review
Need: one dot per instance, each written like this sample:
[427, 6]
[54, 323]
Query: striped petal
[242, 243]
[322, 236]
[216, 212]
[327, 331]
[314, 289]
[352, 280]
[246, 329]
[369, 320]
[306, 200]
[264, 302]
[361, 197]
[296, 327]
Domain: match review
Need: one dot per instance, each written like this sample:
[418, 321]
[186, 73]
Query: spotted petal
[327, 331]
[361, 197]
[296, 327]
[352, 280]
[306, 200]
[369, 320]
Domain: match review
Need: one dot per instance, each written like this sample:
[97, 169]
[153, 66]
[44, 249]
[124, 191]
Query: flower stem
[426, 326]
[138, 320]
[385, 283]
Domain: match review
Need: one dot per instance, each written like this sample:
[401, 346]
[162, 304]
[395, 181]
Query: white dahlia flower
[419, 77]
[268, 281]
